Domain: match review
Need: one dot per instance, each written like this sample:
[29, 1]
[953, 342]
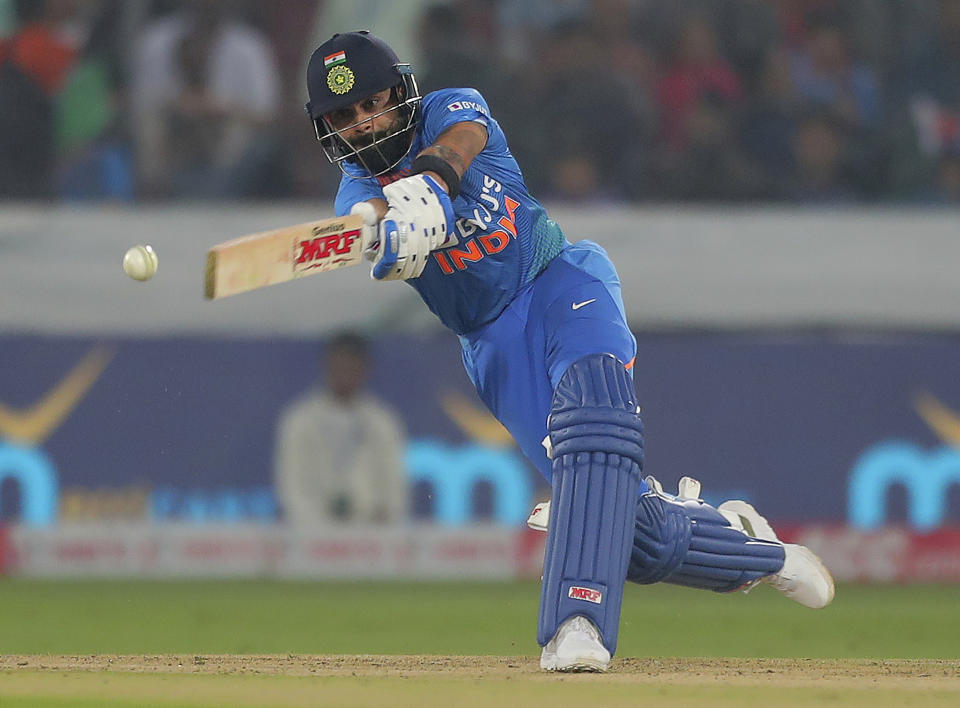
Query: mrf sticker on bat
[328, 248]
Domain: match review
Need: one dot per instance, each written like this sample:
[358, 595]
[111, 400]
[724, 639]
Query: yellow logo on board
[35, 424]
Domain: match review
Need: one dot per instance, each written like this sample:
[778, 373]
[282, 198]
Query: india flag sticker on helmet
[335, 58]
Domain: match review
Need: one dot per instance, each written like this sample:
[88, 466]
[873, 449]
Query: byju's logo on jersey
[464, 105]
[493, 202]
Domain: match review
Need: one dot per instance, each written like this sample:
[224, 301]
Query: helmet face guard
[386, 151]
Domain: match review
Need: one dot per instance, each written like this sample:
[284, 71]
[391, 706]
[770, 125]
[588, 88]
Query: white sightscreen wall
[729, 268]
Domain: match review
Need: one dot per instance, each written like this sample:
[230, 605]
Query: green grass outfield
[255, 617]
[499, 619]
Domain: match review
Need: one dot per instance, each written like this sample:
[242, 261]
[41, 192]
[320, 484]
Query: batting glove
[419, 217]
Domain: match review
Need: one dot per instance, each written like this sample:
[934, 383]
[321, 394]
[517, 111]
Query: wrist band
[432, 163]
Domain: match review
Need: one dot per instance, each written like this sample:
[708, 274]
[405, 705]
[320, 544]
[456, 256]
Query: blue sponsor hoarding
[808, 427]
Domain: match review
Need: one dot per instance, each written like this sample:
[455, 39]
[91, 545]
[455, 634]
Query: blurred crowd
[603, 101]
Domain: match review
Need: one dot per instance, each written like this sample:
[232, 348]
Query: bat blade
[278, 256]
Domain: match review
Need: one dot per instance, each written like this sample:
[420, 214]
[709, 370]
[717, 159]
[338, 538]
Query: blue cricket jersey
[502, 238]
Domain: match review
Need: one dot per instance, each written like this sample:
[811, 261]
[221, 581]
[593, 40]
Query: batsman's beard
[380, 152]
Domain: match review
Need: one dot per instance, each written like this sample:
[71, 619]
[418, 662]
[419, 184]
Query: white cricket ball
[140, 262]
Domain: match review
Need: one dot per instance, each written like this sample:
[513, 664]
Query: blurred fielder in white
[339, 450]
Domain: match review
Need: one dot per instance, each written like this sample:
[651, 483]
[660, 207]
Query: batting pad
[597, 442]
[690, 543]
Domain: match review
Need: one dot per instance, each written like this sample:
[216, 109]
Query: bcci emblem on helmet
[340, 79]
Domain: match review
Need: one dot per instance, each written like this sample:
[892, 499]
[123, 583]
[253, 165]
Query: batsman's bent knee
[687, 542]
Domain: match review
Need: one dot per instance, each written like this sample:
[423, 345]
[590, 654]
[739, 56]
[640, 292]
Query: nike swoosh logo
[35, 424]
[578, 305]
[477, 423]
[944, 422]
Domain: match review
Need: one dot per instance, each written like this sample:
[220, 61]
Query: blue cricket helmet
[350, 67]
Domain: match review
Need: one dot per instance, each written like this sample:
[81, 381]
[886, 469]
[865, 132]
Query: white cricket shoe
[803, 577]
[575, 647]
[539, 518]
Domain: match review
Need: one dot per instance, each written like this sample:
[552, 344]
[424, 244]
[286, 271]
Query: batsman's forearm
[449, 154]
[458, 145]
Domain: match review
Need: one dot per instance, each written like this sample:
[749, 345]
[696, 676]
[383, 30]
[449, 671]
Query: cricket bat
[277, 256]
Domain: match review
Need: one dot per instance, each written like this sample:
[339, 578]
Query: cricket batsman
[545, 341]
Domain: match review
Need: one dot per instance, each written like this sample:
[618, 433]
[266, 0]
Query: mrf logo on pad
[588, 594]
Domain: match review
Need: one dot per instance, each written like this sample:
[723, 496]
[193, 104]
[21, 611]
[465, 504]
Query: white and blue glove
[419, 217]
[368, 233]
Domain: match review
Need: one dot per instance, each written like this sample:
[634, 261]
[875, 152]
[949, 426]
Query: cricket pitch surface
[425, 680]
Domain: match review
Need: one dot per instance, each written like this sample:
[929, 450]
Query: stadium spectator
[95, 155]
[927, 93]
[932, 68]
[205, 114]
[634, 70]
[826, 76]
[696, 68]
[594, 114]
[451, 57]
[750, 30]
[819, 150]
[206, 95]
[33, 65]
[709, 167]
[770, 120]
[524, 26]
[339, 450]
[575, 179]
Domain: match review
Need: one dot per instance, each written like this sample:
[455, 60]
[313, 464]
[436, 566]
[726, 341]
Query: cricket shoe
[803, 577]
[575, 647]
[539, 518]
